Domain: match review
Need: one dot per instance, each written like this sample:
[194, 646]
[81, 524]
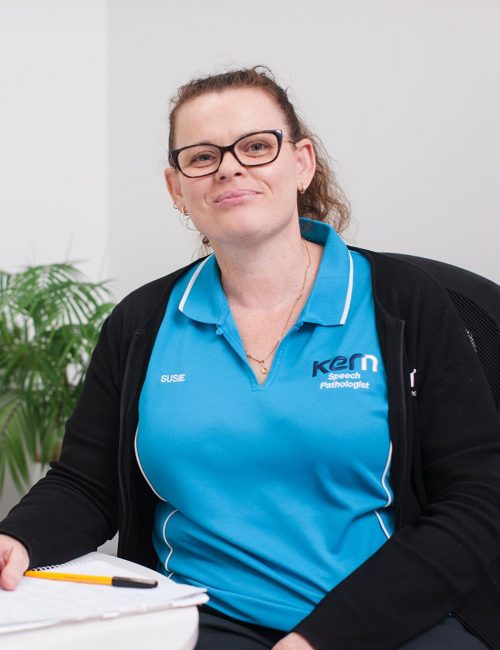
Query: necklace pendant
[264, 370]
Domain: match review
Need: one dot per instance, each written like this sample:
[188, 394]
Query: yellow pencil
[111, 581]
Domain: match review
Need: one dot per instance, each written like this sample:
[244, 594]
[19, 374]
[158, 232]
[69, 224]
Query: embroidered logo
[346, 372]
[353, 362]
[173, 378]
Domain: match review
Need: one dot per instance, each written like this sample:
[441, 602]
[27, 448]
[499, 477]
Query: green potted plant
[50, 318]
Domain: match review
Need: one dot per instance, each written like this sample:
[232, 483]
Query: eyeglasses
[251, 150]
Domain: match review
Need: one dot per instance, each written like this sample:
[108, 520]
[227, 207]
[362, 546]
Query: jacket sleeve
[418, 576]
[73, 509]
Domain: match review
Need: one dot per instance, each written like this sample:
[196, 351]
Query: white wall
[53, 149]
[406, 96]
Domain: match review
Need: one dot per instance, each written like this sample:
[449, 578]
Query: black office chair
[477, 301]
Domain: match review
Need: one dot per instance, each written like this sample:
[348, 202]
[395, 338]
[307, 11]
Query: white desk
[172, 629]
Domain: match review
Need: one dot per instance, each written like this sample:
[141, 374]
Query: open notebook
[40, 603]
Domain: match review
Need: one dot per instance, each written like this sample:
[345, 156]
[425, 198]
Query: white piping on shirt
[387, 491]
[160, 497]
[166, 541]
[384, 477]
[186, 293]
[141, 468]
[349, 291]
[386, 532]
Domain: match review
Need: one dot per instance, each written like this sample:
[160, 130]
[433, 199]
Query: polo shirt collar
[203, 299]
[330, 298]
[328, 304]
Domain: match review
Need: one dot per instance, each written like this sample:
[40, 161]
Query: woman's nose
[229, 166]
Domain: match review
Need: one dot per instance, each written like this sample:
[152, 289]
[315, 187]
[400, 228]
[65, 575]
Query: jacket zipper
[125, 500]
[402, 428]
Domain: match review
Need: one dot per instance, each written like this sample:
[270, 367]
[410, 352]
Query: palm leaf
[14, 454]
[50, 317]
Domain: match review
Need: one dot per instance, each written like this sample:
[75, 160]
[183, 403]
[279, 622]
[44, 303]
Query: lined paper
[39, 603]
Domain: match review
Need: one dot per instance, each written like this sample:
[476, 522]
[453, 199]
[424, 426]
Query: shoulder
[141, 306]
[402, 288]
[391, 268]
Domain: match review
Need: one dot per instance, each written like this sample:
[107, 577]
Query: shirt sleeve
[426, 568]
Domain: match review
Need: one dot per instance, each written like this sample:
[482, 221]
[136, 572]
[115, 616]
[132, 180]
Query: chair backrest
[477, 301]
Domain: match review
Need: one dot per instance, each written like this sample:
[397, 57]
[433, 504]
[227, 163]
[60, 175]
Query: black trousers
[220, 632]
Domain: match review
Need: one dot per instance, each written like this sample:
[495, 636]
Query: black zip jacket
[445, 553]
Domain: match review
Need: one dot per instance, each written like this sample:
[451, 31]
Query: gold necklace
[263, 368]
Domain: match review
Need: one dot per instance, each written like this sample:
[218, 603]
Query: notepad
[41, 603]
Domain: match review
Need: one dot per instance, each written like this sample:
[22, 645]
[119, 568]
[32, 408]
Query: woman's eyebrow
[195, 144]
[207, 142]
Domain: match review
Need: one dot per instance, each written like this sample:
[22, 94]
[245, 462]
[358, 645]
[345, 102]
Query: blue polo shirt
[269, 494]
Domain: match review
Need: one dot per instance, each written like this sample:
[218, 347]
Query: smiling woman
[322, 199]
[299, 426]
[249, 193]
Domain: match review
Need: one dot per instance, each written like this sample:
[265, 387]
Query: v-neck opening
[230, 330]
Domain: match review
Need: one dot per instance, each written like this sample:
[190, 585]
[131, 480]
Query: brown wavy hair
[323, 200]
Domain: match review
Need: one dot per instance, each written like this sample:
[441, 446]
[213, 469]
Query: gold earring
[302, 188]
[184, 211]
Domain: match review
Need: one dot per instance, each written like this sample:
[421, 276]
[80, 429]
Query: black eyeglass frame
[173, 155]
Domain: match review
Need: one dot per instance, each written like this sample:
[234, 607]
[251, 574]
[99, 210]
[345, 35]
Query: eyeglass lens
[254, 149]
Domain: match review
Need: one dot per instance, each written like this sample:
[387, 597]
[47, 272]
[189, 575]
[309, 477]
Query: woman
[303, 427]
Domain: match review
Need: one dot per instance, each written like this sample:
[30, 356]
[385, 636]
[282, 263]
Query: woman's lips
[236, 196]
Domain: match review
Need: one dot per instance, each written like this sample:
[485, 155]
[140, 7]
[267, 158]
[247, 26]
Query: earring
[183, 209]
[302, 188]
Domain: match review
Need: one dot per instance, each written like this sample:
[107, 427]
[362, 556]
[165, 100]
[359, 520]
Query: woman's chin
[239, 223]
[242, 225]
